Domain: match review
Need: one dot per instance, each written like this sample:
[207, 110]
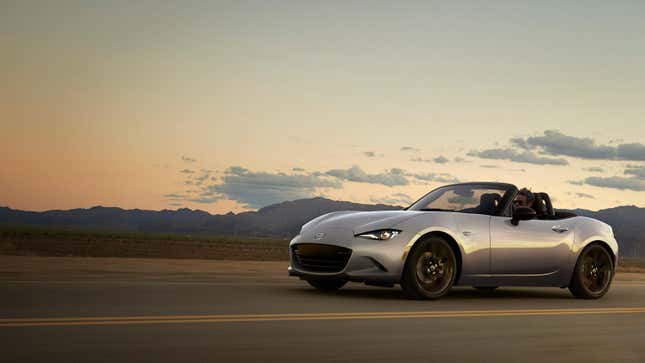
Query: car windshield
[465, 198]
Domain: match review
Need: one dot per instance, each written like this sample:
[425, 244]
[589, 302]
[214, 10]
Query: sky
[234, 105]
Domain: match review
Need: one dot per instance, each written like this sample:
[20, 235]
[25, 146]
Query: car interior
[544, 208]
[489, 203]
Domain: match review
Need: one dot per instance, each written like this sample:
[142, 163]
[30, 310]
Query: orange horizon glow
[106, 104]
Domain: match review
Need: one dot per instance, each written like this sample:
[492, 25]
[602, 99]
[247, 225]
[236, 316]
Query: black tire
[327, 284]
[430, 270]
[485, 288]
[593, 273]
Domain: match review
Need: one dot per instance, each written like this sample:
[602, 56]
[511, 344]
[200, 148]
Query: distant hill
[281, 220]
[628, 223]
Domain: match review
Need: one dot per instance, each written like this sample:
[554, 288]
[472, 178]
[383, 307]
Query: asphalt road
[284, 320]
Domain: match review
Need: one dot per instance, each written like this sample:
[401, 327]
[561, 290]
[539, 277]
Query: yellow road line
[156, 317]
[231, 318]
[628, 284]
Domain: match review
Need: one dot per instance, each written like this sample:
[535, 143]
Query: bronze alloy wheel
[430, 269]
[593, 273]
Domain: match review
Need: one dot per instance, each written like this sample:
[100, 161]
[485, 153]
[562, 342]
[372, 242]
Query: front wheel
[593, 273]
[327, 284]
[430, 269]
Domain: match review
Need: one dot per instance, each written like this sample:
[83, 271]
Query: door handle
[559, 229]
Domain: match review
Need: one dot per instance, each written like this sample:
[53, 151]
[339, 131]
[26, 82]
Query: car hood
[359, 222]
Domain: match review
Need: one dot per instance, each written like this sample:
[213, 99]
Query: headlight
[381, 234]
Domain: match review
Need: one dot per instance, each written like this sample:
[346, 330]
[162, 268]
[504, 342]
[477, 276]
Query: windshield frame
[509, 192]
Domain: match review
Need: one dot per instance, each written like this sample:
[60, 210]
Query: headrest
[489, 202]
[542, 205]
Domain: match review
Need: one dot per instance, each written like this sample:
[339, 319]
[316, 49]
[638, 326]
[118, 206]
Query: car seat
[489, 203]
[542, 206]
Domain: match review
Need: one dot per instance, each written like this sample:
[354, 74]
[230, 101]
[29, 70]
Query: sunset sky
[234, 105]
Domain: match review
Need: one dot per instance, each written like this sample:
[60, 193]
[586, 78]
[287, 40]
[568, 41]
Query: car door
[533, 247]
[473, 231]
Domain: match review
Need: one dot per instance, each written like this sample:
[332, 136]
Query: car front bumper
[372, 262]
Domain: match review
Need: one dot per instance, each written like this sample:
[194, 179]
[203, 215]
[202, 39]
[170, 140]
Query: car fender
[439, 222]
[589, 230]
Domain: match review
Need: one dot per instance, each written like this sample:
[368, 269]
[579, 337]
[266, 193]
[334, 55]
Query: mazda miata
[467, 234]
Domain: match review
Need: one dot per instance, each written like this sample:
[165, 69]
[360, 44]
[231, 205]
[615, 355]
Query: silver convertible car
[467, 234]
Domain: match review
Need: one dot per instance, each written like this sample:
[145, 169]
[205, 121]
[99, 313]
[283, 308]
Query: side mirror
[522, 214]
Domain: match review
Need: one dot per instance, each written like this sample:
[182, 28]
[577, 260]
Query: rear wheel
[430, 269]
[327, 284]
[593, 273]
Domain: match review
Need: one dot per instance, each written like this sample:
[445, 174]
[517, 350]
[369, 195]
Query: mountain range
[282, 220]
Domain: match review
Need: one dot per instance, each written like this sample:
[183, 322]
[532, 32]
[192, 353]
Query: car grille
[320, 258]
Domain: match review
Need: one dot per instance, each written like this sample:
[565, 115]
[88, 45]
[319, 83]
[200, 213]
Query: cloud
[206, 200]
[594, 169]
[554, 142]
[436, 177]
[392, 177]
[580, 195]
[635, 181]
[203, 198]
[188, 159]
[463, 200]
[402, 195]
[637, 171]
[517, 156]
[617, 182]
[258, 189]
[521, 143]
[421, 160]
[394, 199]
[459, 159]
[410, 148]
[633, 151]
[251, 189]
[489, 166]
[369, 154]
[205, 175]
[174, 196]
[236, 170]
[584, 195]
[441, 159]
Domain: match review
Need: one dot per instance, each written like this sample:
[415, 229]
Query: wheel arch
[454, 245]
[576, 286]
[589, 231]
[602, 244]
